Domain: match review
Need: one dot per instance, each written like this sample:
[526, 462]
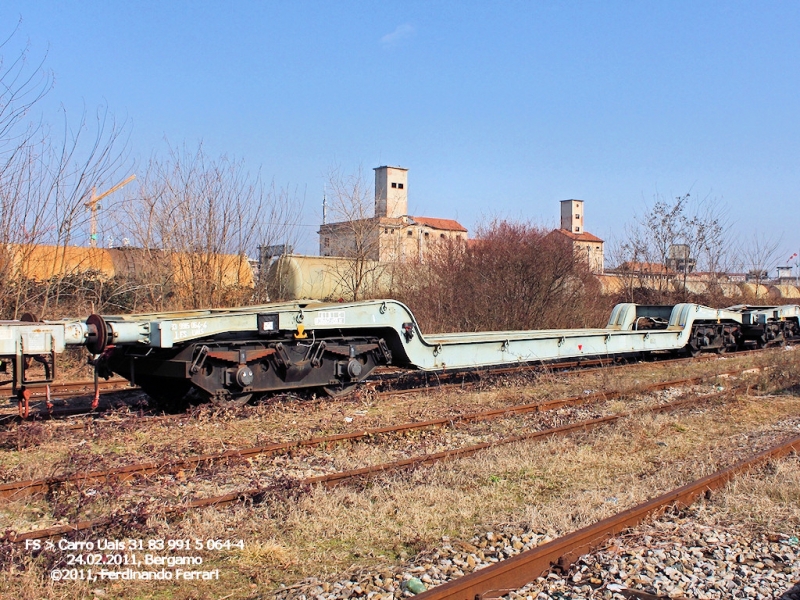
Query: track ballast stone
[675, 559]
[672, 558]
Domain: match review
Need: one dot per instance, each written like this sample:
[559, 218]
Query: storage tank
[754, 291]
[729, 290]
[787, 292]
[294, 276]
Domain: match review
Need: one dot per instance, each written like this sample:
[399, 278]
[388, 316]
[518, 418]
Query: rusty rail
[334, 479]
[116, 385]
[573, 367]
[71, 389]
[17, 489]
[513, 573]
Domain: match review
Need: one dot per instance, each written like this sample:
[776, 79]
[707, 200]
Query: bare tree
[45, 177]
[194, 221]
[671, 239]
[353, 234]
[759, 256]
[21, 87]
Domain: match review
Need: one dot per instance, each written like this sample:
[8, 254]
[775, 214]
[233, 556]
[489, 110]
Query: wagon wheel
[340, 391]
[169, 396]
[231, 401]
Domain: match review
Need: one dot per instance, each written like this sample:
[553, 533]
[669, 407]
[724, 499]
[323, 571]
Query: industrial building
[584, 244]
[391, 235]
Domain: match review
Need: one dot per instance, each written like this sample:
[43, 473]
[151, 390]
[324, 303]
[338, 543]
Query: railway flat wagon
[227, 355]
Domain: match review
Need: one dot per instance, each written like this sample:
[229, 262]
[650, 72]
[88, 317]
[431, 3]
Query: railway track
[45, 411]
[72, 388]
[513, 573]
[113, 522]
[380, 386]
[18, 489]
[387, 384]
[111, 519]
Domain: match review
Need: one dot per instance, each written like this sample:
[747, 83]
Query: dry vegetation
[184, 226]
[512, 276]
[549, 487]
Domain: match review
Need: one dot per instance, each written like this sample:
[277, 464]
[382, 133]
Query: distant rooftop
[580, 237]
[445, 224]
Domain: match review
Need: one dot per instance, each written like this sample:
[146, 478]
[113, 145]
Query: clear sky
[497, 108]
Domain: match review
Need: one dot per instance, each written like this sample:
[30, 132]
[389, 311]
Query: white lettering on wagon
[185, 329]
[329, 317]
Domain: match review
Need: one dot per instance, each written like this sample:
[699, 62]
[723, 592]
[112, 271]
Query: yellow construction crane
[93, 206]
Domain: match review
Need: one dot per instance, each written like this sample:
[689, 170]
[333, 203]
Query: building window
[427, 234]
[394, 185]
[441, 235]
[327, 242]
[577, 230]
[400, 186]
[577, 216]
[386, 230]
[410, 232]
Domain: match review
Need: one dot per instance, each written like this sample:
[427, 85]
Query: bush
[511, 276]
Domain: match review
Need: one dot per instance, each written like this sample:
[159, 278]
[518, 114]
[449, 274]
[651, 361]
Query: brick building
[584, 244]
[392, 235]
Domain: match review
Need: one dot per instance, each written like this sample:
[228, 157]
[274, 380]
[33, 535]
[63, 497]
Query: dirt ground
[249, 550]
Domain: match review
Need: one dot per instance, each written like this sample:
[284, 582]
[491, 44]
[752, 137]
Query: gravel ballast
[674, 557]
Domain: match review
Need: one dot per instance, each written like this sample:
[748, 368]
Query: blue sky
[497, 108]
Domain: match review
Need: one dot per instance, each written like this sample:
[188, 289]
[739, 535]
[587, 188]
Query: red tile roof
[446, 224]
[580, 237]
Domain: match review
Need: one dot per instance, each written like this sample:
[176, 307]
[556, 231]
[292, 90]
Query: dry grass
[551, 487]
[763, 501]
[49, 450]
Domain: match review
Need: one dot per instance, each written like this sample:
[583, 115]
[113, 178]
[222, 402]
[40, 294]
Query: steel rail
[513, 573]
[72, 389]
[68, 387]
[106, 387]
[575, 367]
[17, 489]
[8, 436]
[77, 388]
[334, 479]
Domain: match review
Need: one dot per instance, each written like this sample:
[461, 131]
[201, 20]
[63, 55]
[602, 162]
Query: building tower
[572, 216]
[391, 192]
